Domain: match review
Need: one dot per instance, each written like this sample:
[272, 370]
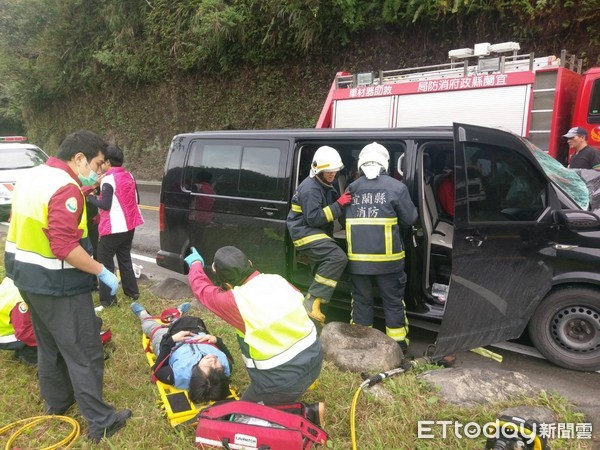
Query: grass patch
[380, 424]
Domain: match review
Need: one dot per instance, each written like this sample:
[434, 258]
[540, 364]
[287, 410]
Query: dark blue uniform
[375, 250]
[310, 224]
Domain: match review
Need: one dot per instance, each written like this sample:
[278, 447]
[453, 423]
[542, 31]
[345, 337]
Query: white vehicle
[16, 157]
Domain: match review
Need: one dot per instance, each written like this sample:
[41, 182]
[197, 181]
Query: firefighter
[315, 205]
[380, 204]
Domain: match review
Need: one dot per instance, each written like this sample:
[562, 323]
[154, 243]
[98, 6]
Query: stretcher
[176, 404]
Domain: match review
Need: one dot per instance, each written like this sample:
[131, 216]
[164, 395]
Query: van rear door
[503, 237]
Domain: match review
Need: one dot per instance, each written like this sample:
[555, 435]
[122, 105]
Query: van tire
[565, 328]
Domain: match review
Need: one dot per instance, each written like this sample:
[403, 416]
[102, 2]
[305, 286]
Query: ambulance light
[12, 138]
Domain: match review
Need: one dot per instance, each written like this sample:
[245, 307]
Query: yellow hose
[353, 414]
[368, 382]
[33, 421]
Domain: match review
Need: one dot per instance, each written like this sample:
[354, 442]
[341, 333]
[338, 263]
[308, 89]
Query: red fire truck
[536, 97]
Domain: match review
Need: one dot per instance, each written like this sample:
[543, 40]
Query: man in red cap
[585, 156]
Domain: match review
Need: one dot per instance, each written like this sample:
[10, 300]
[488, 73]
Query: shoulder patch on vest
[71, 204]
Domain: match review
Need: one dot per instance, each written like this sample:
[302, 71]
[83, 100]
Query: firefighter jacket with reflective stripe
[373, 217]
[314, 208]
[29, 259]
[278, 330]
[124, 213]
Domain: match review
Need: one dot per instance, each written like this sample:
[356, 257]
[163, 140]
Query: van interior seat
[443, 232]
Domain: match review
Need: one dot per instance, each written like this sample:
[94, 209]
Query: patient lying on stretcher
[187, 356]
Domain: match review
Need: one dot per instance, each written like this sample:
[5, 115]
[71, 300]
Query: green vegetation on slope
[140, 72]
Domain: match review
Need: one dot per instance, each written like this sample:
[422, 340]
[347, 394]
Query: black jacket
[373, 220]
[314, 208]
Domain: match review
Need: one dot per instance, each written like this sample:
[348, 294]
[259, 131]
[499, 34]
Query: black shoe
[404, 347]
[107, 432]
[113, 302]
[58, 411]
[315, 412]
[27, 355]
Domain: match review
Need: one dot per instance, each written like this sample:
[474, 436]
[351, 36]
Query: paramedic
[315, 205]
[119, 217]
[16, 331]
[380, 204]
[196, 362]
[54, 273]
[278, 341]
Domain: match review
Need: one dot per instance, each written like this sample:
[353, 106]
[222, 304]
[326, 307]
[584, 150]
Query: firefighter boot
[404, 346]
[313, 308]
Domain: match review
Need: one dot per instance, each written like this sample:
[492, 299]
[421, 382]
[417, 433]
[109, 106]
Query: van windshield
[566, 179]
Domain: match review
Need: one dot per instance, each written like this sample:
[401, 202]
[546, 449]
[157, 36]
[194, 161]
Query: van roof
[316, 133]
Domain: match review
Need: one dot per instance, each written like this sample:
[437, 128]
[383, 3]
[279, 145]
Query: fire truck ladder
[453, 69]
[544, 93]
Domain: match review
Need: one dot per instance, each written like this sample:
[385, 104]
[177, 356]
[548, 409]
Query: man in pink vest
[119, 216]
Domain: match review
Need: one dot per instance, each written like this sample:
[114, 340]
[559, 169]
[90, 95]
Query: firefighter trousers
[328, 261]
[391, 289]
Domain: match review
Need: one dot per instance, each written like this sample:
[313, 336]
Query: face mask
[91, 179]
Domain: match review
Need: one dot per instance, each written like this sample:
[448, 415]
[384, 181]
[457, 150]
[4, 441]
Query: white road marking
[144, 258]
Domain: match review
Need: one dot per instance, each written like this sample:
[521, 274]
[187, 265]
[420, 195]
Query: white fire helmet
[326, 159]
[373, 157]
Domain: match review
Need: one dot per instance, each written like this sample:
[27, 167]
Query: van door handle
[268, 210]
[475, 240]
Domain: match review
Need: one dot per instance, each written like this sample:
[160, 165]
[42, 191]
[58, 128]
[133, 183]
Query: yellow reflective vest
[277, 326]
[28, 256]
[9, 297]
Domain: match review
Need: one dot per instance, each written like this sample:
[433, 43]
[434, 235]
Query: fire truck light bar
[12, 138]
[505, 47]
[460, 53]
[482, 49]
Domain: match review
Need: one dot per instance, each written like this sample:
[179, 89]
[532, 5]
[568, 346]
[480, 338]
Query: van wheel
[565, 328]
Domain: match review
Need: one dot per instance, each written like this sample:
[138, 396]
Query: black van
[523, 247]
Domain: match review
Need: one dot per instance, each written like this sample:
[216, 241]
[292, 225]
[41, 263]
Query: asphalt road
[581, 388]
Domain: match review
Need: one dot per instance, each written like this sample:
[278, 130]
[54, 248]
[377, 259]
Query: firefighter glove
[344, 199]
[109, 279]
[193, 257]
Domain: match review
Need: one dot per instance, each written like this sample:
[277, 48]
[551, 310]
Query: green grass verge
[380, 424]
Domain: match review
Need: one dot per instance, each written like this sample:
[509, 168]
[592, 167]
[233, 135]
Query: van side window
[502, 185]
[238, 169]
